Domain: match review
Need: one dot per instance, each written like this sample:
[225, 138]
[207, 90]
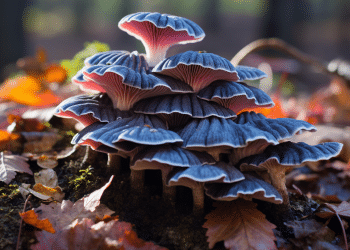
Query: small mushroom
[235, 96]
[126, 86]
[177, 110]
[197, 69]
[278, 159]
[252, 187]
[195, 177]
[165, 158]
[158, 32]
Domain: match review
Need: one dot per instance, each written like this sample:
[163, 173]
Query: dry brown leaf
[85, 234]
[240, 225]
[10, 164]
[47, 177]
[343, 210]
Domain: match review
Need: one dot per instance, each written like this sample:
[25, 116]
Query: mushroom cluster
[182, 115]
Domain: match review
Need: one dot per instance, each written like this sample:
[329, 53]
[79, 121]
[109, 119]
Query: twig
[341, 224]
[280, 45]
[20, 225]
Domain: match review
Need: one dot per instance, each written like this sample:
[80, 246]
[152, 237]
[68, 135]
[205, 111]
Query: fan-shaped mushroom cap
[170, 155]
[235, 96]
[197, 69]
[86, 85]
[125, 86]
[217, 135]
[158, 32]
[282, 157]
[280, 128]
[220, 172]
[249, 73]
[106, 58]
[176, 110]
[88, 109]
[250, 188]
[127, 134]
[290, 154]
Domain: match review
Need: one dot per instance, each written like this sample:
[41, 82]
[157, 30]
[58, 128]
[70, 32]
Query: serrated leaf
[10, 164]
[240, 225]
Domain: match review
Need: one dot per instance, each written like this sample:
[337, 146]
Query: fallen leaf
[343, 210]
[10, 164]
[85, 234]
[55, 193]
[31, 218]
[45, 161]
[240, 225]
[47, 177]
[19, 124]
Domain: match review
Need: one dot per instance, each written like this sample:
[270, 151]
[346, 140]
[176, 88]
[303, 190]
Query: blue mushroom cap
[249, 73]
[220, 172]
[170, 155]
[165, 20]
[99, 107]
[126, 86]
[133, 60]
[292, 154]
[126, 134]
[197, 69]
[176, 110]
[249, 188]
[235, 96]
[281, 128]
[214, 131]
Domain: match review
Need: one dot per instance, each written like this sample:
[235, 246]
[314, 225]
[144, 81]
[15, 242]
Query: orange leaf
[25, 125]
[240, 225]
[55, 73]
[56, 193]
[27, 90]
[6, 137]
[31, 218]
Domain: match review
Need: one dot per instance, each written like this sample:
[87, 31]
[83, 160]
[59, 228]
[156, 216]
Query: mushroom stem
[90, 156]
[137, 179]
[278, 180]
[114, 163]
[155, 55]
[169, 193]
[198, 199]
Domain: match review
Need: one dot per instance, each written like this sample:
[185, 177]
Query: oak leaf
[10, 164]
[240, 225]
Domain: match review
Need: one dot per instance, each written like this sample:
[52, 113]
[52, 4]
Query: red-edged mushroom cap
[127, 134]
[88, 109]
[197, 69]
[126, 86]
[158, 32]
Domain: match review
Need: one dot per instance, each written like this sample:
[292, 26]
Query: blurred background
[318, 27]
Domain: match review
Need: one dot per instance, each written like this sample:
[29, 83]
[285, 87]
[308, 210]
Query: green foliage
[77, 63]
